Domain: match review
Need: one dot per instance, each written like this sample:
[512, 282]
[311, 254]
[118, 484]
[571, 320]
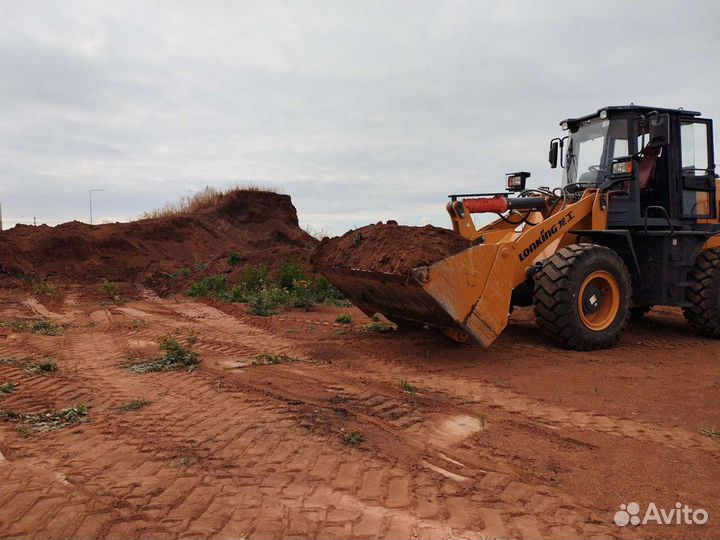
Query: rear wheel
[582, 297]
[703, 313]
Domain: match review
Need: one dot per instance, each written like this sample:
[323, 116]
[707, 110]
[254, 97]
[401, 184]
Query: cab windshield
[591, 149]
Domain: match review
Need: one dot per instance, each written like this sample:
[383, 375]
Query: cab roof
[640, 109]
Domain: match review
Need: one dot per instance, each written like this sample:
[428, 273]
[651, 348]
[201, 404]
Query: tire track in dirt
[483, 395]
[392, 412]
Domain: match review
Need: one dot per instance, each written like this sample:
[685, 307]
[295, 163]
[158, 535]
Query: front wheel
[582, 297]
[703, 313]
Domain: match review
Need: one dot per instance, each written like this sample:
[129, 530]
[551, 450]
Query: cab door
[697, 169]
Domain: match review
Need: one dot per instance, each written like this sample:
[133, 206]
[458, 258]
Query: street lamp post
[90, 192]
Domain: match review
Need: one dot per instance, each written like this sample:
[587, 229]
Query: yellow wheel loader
[634, 224]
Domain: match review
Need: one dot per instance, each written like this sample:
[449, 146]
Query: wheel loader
[633, 225]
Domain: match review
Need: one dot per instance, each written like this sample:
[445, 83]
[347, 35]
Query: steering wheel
[595, 168]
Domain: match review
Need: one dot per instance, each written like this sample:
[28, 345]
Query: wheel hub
[599, 300]
[592, 298]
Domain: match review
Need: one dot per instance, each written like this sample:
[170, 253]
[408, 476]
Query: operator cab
[656, 164]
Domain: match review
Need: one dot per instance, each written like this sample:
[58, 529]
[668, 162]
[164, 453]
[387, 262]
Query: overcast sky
[360, 110]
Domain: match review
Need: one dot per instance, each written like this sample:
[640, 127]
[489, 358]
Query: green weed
[32, 365]
[273, 359]
[7, 388]
[41, 327]
[133, 405]
[215, 285]
[379, 327]
[353, 438]
[46, 421]
[408, 388]
[234, 258]
[345, 318]
[177, 356]
[111, 291]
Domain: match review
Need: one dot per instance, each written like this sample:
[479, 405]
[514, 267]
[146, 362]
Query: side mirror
[659, 129]
[553, 154]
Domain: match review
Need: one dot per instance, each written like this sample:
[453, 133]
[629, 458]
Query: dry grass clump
[207, 197]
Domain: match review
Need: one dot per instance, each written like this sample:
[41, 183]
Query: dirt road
[520, 440]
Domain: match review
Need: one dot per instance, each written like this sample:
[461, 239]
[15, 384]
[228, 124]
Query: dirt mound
[261, 227]
[389, 247]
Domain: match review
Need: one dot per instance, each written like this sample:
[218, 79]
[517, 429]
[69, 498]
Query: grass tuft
[273, 359]
[345, 318]
[7, 388]
[46, 421]
[32, 365]
[41, 327]
[177, 356]
[408, 388]
[205, 198]
[353, 438]
[379, 327]
[133, 405]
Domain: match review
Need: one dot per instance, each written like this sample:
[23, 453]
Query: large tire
[582, 297]
[703, 313]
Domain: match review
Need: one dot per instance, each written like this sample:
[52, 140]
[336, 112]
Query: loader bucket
[466, 293]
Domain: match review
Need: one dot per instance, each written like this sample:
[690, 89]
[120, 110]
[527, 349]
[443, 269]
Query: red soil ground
[518, 440]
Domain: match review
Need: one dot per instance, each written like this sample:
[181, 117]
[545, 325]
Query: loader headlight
[622, 167]
[516, 181]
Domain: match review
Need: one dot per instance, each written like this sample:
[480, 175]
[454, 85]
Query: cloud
[362, 111]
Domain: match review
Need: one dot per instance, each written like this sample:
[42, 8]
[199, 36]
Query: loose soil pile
[389, 247]
[166, 253]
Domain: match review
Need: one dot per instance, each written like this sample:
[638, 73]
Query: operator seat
[647, 166]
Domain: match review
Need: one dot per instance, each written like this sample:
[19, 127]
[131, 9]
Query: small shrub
[408, 388]
[111, 291]
[254, 279]
[302, 295]
[264, 302]
[177, 356]
[133, 405]
[7, 388]
[357, 238]
[345, 318]
[712, 432]
[379, 327]
[234, 258]
[375, 318]
[185, 271]
[216, 285]
[353, 438]
[200, 267]
[290, 273]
